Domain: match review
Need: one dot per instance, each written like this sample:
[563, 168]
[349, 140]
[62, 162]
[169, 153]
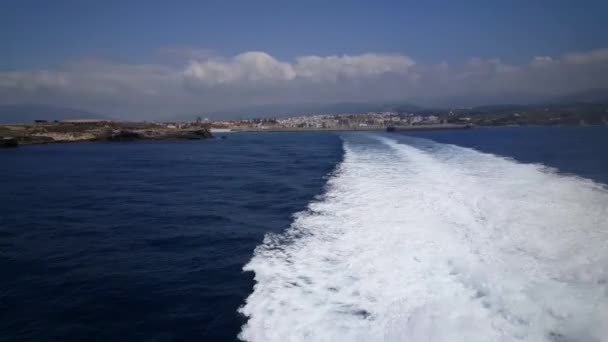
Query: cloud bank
[262, 67]
[207, 82]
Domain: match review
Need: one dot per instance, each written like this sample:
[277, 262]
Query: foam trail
[436, 243]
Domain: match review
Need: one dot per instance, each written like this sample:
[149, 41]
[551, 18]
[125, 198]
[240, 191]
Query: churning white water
[423, 241]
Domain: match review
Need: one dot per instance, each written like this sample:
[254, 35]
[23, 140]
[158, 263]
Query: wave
[419, 241]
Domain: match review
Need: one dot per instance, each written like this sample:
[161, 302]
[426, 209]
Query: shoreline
[362, 129]
[204, 134]
[17, 135]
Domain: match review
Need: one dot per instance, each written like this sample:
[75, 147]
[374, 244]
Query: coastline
[27, 134]
[364, 128]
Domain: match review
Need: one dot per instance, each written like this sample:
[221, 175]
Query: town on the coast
[52, 131]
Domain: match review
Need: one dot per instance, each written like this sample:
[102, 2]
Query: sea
[487, 234]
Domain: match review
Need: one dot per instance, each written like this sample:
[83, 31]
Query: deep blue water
[146, 241]
[581, 151]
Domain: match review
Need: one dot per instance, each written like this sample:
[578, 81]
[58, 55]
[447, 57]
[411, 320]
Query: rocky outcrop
[8, 142]
[196, 135]
[35, 139]
[63, 133]
[205, 133]
[122, 135]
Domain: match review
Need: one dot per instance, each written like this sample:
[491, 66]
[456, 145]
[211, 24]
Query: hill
[597, 96]
[26, 113]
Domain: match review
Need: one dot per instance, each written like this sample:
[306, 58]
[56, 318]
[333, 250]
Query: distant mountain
[281, 110]
[26, 113]
[500, 108]
[599, 96]
[498, 100]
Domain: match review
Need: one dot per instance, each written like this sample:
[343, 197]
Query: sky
[154, 59]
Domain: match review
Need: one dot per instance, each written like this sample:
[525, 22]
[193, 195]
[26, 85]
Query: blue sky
[48, 47]
[42, 33]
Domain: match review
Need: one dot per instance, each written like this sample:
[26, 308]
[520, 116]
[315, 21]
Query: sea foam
[420, 241]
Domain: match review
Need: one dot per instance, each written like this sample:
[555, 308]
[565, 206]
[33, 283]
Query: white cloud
[32, 81]
[334, 68]
[261, 67]
[594, 56]
[246, 67]
[542, 61]
[210, 83]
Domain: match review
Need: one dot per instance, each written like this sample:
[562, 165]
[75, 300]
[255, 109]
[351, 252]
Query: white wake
[436, 244]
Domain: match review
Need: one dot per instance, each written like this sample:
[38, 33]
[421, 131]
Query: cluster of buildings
[370, 120]
[345, 121]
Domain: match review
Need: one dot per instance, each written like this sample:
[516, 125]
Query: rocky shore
[64, 132]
